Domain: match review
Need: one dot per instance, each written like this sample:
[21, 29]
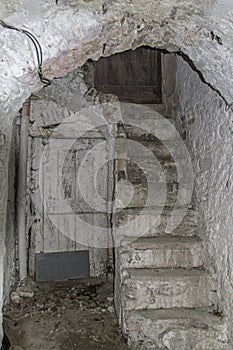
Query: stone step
[153, 222]
[146, 169]
[143, 123]
[176, 329]
[155, 160]
[167, 288]
[151, 194]
[162, 252]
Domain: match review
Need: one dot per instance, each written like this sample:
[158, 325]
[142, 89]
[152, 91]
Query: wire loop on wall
[37, 46]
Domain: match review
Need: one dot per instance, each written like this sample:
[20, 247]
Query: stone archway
[72, 32]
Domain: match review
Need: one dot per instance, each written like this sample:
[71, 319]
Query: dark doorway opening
[134, 76]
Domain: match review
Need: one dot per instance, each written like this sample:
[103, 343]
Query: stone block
[162, 252]
[176, 329]
[167, 288]
[153, 222]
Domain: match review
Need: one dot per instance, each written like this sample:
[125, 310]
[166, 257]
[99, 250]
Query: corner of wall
[9, 259]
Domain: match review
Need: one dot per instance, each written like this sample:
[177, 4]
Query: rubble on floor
[59, 316]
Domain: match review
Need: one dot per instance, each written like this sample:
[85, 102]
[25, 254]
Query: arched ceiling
[72, 31]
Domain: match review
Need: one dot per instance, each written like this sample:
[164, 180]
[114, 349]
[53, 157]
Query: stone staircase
[164, 297]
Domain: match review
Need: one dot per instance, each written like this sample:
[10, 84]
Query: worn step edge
[198, 313]
[150, 327]
[173, 242]
[153, 273]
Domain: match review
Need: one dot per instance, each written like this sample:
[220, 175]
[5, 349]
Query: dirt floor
[63, 316]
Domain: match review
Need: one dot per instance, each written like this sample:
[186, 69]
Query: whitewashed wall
[208, 127]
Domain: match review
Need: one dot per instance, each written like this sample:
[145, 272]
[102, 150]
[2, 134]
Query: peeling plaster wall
[208, 127]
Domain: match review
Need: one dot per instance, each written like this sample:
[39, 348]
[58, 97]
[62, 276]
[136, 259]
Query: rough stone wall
[169, 84]
[10, 256]
[202, 117]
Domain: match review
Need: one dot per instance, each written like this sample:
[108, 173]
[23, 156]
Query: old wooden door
[61, 246]
[134, 76]
[59, 213]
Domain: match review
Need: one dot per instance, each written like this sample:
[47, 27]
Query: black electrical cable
[37, 46]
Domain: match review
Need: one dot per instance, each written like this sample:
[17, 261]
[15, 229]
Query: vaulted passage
[116, 178]
[111, 211]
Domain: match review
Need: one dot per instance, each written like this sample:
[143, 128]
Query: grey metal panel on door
[62, 266]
